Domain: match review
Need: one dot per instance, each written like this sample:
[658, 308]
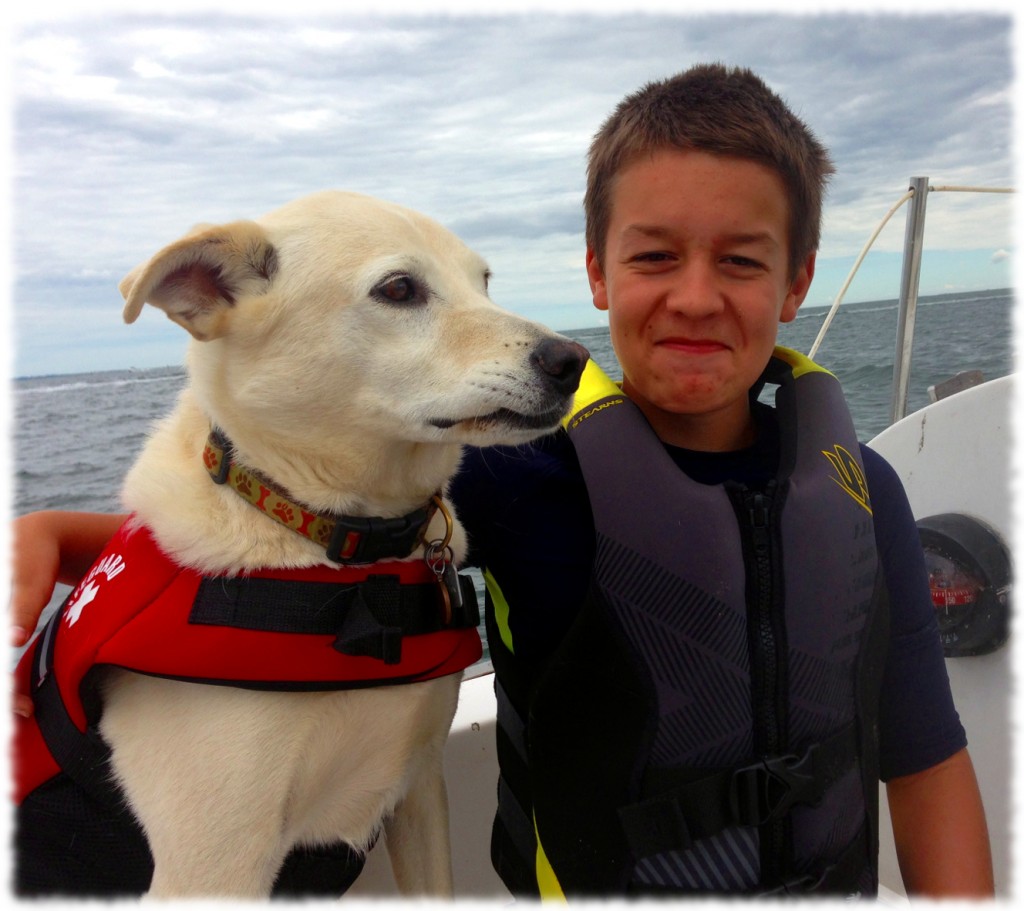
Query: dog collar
[346, 539]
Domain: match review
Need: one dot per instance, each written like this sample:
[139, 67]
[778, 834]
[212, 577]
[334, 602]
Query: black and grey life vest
[708, 723]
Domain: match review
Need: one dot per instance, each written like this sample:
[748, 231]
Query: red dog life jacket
[319, 628]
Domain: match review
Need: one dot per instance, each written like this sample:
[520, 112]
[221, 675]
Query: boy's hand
[35, 565]
[47, 547]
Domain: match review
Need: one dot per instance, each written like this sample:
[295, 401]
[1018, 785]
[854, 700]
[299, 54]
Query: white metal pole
[909, 283]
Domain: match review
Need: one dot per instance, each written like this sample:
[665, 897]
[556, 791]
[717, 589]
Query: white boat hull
[954, 456]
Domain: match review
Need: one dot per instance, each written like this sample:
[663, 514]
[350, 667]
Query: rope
[853, 272]
[954, 189]
[949, 188]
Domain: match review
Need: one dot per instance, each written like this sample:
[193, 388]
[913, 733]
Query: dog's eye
[398, 289]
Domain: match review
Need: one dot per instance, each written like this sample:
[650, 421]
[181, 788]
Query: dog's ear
[197, 279]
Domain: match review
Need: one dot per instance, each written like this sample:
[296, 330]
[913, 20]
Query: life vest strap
[369, 618]
[839, 877]
[83, 756]
[676, 815]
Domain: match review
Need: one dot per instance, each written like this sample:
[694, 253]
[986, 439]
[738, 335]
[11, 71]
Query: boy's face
[694, 279]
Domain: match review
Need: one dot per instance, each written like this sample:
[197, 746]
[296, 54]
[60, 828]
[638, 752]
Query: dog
[343, 351]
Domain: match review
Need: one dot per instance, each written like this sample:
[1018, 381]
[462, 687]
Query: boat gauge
[969, 576]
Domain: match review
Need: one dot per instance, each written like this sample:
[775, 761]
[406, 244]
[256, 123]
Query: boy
[706, 649]
[668, 694]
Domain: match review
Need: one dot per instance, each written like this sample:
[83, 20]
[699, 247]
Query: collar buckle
[367, 540]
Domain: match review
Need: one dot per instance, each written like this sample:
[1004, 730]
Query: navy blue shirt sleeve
[527, 516]
[918, 723]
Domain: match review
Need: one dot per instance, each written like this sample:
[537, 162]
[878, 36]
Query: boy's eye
[743, 261]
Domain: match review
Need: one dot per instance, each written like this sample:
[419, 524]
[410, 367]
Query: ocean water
[76, 435]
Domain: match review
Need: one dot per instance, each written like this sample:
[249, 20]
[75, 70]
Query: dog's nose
[562, 361]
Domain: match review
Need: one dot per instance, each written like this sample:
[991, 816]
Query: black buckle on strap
[765, 790]
[367, 540]
[371, 626]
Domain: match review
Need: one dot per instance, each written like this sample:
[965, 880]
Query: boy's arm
[939, 827]
[49, 547]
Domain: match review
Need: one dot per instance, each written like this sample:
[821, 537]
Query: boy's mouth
[692, 345]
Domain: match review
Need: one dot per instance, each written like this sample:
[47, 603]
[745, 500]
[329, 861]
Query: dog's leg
[219, 840]
[416, 831]
[199, 867]
[195, 768]
[417, 837]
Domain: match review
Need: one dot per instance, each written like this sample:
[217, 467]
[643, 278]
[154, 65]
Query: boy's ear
[595, 275]
[798, 289]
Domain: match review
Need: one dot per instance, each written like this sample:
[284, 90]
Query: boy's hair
[712, 108]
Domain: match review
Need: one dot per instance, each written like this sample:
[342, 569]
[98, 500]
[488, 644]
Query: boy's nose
[695, 292]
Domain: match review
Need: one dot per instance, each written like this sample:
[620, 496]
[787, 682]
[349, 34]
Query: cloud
[129, 129]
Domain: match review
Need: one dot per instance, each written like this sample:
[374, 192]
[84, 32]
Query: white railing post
[913, 243]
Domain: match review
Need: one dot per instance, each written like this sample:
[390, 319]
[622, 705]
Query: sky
[127, 128]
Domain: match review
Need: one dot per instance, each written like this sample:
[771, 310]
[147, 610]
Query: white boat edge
[956, 456]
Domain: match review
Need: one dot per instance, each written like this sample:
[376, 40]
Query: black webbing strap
[368, 618]
[84, 757]
[841, 877]
[676, 815]
[844, 876]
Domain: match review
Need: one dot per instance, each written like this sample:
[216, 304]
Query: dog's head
[339, 314]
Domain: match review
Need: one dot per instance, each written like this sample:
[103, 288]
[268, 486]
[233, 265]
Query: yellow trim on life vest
[800, 363]
[599, 390]
[547, 883]
[595, 385]
[500, 609]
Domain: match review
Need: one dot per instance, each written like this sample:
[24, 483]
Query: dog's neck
[345, 539]
[213, 529]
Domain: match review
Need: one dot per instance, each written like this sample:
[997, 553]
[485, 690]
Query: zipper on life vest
[766, 633]
[763, 621]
